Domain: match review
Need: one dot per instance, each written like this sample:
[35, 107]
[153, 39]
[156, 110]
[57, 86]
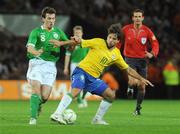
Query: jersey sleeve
[91, 43]
[120, 63]
[32, 38]
[154, 43]
[63, 36]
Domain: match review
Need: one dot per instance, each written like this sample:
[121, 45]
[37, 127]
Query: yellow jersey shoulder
[93, 43]
[100, 42]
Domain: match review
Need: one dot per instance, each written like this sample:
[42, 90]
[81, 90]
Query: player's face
[112, 40]
[78, 33]
[137, 18]
[49, 20]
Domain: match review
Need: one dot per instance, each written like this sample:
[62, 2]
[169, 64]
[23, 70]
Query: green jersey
[39, 38]
[78, 54]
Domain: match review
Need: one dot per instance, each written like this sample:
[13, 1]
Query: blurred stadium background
[19, 17]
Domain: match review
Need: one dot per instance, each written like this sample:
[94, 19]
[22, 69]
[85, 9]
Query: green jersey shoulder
[39, 38]
[77, 54]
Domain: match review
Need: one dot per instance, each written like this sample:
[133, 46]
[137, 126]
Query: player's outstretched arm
[134, 74]
[58, 43]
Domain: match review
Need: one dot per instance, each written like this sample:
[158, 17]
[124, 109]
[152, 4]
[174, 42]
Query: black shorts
[138, 64]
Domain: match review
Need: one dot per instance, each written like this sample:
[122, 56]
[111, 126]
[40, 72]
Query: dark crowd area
[162, 16]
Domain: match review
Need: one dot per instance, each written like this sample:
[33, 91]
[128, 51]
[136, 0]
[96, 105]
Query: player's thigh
[78, 81]
[99, 87]
[143, 72]
[49, 79]
[34, 71]
[45, 91]
[109, 94]
[131, 62]
[35, 86]
[49, 74]
[142, 67]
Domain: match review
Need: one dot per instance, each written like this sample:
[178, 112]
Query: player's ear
[117, 41]
[132, 18]
[142, 18]
[42, 18]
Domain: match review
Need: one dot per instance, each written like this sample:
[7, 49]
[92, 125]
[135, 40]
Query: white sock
[103, 107]
[130, 90]
[63, 104]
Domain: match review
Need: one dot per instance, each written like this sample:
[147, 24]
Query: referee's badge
[143, 40]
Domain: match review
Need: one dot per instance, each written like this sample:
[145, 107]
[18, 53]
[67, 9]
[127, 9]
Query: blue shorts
[84, 81]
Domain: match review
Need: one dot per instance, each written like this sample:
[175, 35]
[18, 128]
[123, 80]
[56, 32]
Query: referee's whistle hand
[148, 55]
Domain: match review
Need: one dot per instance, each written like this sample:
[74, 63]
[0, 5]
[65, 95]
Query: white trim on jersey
[42, 27]
[30, 44]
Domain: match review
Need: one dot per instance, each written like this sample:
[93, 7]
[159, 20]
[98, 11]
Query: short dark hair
[137, 11]
[77, 27]
[115, 29]
[46, 10]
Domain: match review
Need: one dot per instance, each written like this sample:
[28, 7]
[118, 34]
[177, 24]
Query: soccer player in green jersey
[75, 57]
[42, 56]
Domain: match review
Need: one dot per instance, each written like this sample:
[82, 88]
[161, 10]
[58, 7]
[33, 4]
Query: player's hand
[148, 55]
[146, 82]
[39, 52]
[76, 39]
[66, 72]
[56, 43]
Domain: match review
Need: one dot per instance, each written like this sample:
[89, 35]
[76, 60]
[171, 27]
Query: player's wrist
[141, 78]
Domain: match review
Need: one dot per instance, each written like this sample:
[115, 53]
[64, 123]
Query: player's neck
[111, 48]
[47, 28]
[137, 26]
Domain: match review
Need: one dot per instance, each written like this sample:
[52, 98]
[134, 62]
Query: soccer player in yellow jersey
[102, 53]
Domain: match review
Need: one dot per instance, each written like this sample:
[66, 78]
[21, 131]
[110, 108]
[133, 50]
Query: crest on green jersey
[55, 35]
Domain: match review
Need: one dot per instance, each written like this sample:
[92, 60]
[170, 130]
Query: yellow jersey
[99, 57]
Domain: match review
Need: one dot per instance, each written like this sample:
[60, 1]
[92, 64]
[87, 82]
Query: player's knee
[110, 96]
[141, 86]
[75, 92]
[36, 90]
[45, 97]
[132, 82]
[35, 86]
[44, 100]
[74, 95]
[141, 91]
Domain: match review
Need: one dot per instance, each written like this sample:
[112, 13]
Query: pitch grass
[159, 117]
